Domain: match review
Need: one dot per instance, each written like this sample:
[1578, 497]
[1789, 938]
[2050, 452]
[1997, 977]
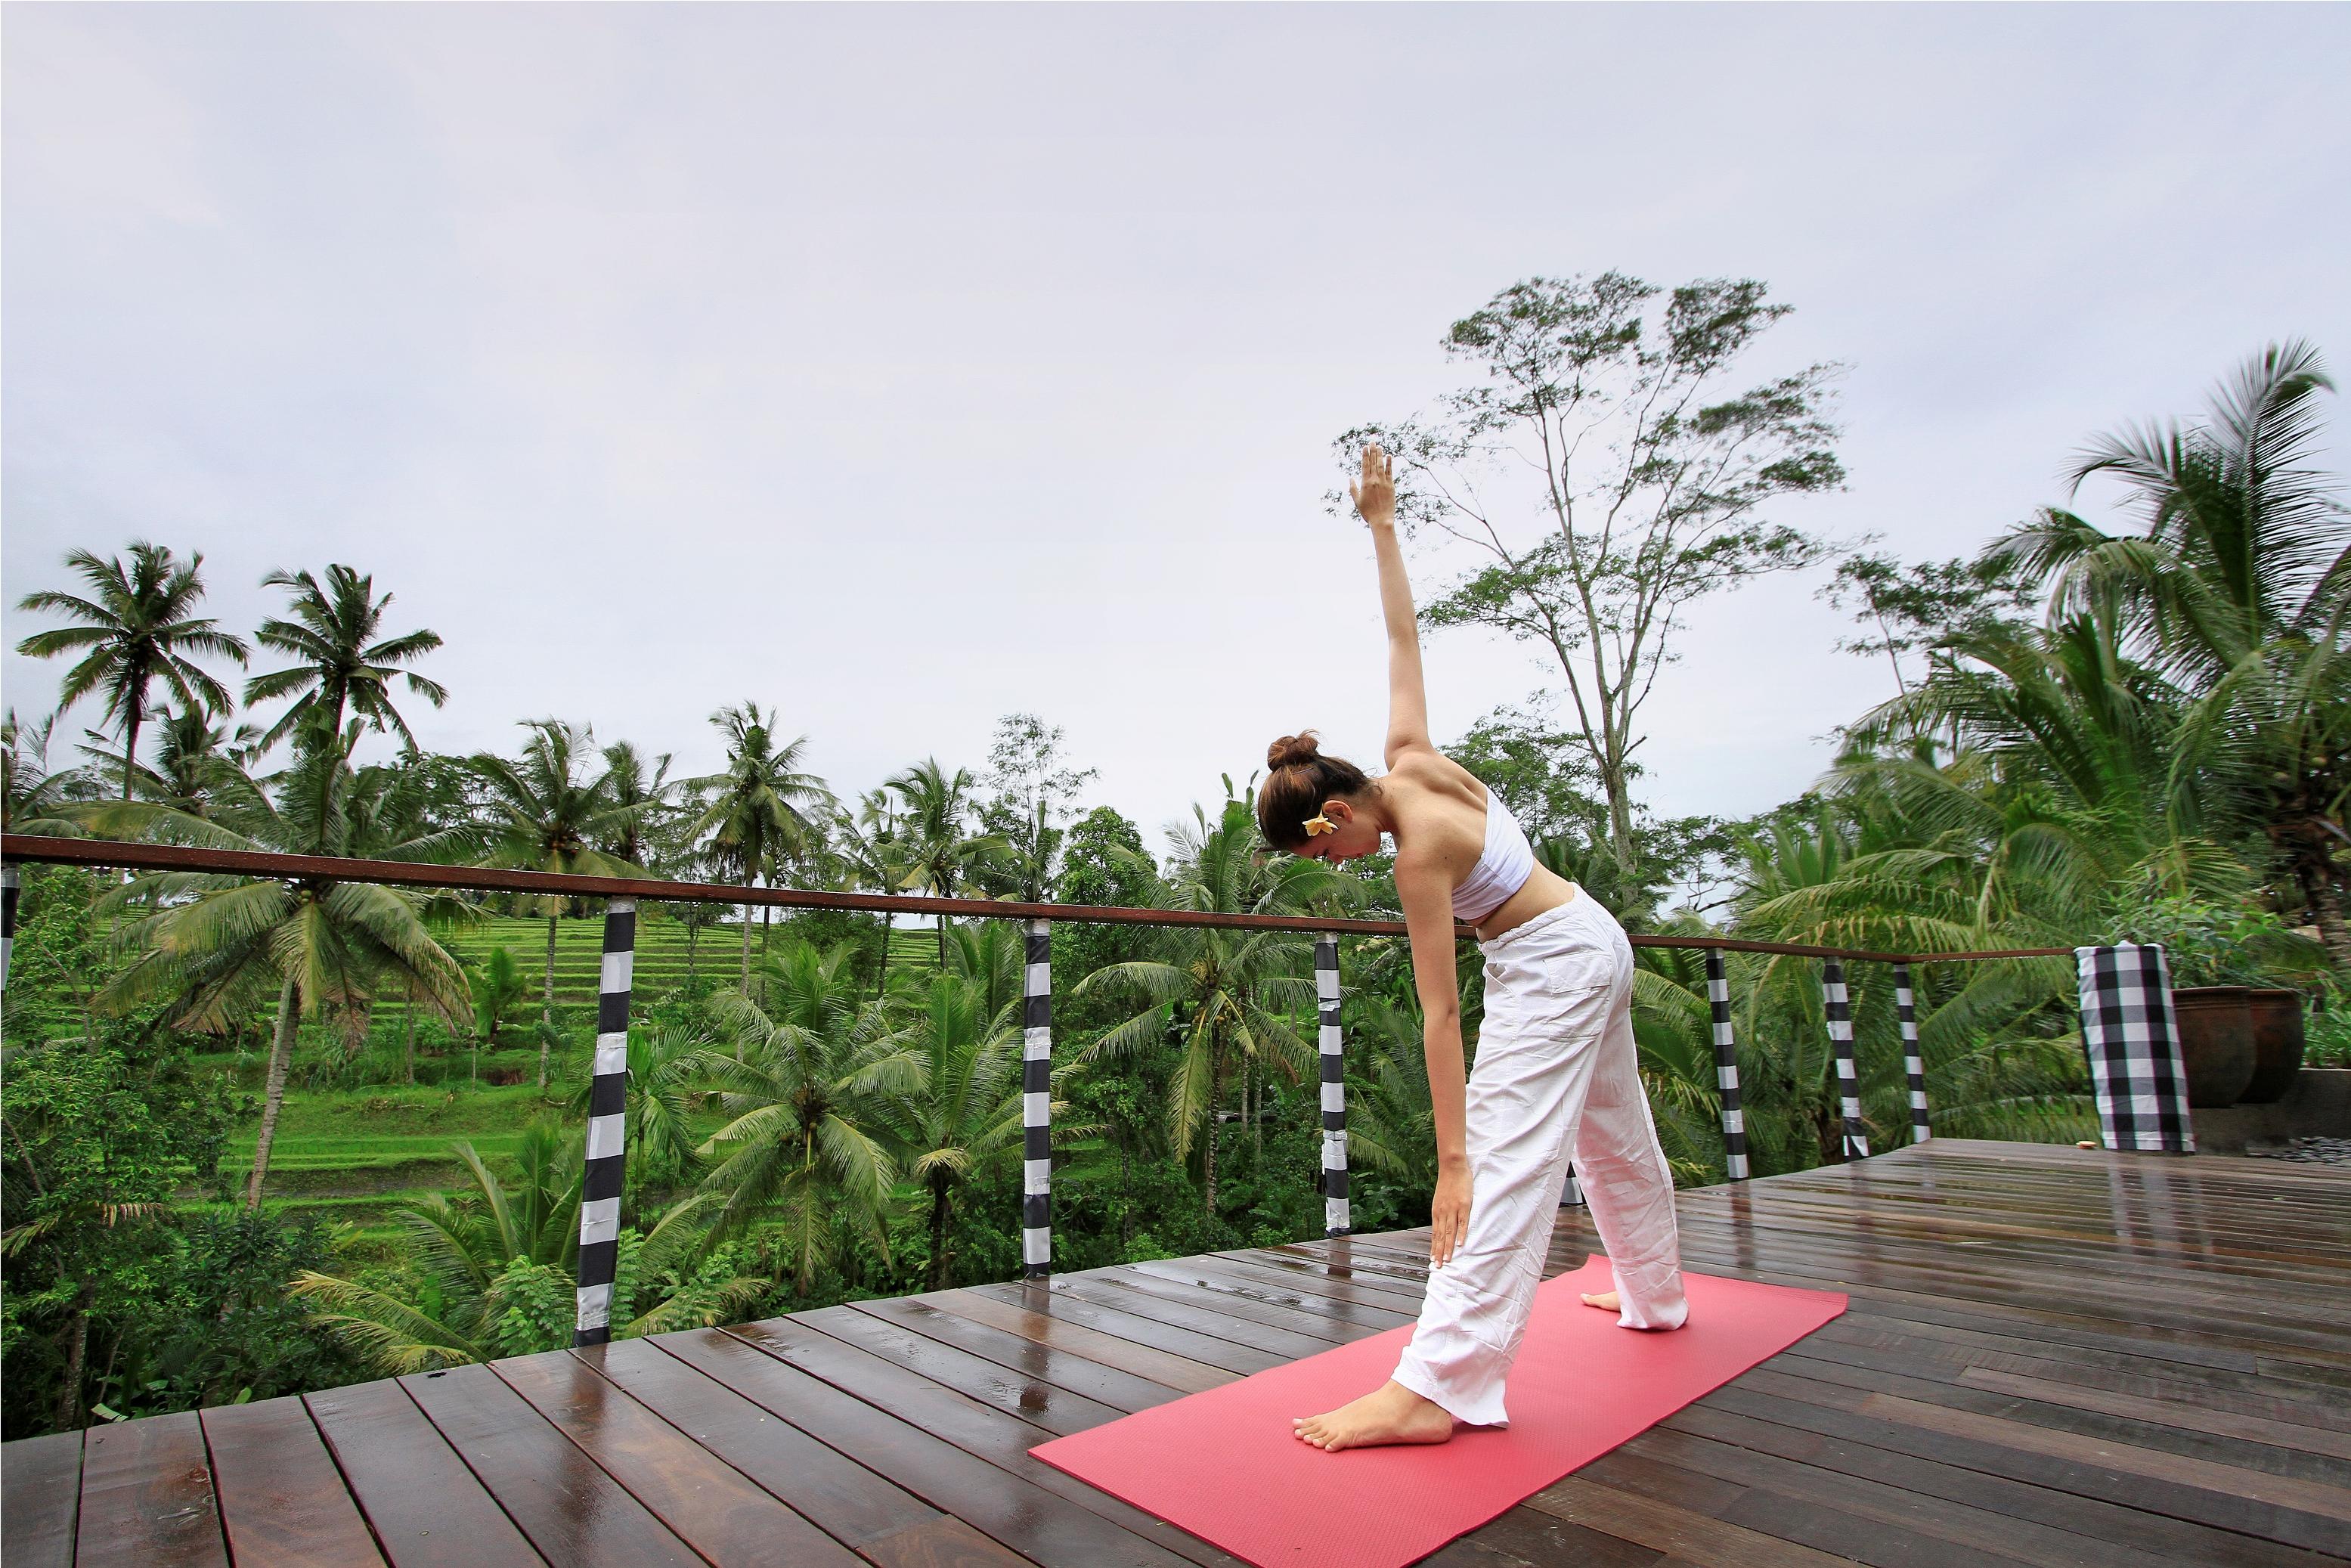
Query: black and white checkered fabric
[2133, 1043]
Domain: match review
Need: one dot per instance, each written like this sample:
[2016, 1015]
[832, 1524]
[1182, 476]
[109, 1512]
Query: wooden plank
[704, 1501]
[1294, 1335]
[574, 1514]
[427, 1508]
[1203, 1274]
[2226, 1511]
[1052, 1409]
[1120, 1322]
[978, 1430]
[1240, 1310]
[1528, 1538]
[884, 1522]
[1112, 1387]
[1998, 1513]
[147, 1496]
[282, 1500]
[40, 1492]
[1046, 1528]
[1681, 1533]
[2282, 1491]
[1038, 1321]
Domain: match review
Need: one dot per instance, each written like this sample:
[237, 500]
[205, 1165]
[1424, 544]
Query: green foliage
[2207, 943]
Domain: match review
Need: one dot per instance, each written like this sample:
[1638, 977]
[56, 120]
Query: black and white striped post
[1037, 1105]
[608, 1128]
[1336, 1220]
[8, 921]
[1913, 1066]
[1726, 1067]
[1840, 1016]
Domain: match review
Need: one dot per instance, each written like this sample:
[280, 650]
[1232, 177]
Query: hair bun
[1294, 751]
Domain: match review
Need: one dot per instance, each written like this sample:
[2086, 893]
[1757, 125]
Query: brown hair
[1301, 779]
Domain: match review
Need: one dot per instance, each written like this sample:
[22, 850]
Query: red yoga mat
[1223, 1464]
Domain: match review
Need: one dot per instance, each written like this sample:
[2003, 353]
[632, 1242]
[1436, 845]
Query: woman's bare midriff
[1545, 891]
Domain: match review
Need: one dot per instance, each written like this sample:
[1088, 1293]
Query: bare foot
[1389, 1414]
[1605, 1301]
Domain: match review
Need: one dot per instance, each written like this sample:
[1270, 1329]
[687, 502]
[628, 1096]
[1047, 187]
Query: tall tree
[642, 789]
[871, 853]
[546, 814]
[1651, 476]
[1235, 995]
[962, 1109]
[752, 818]
[2239, 589]
[941, 851]
[220, 945]
[199, 768]
[806, 1140]
[136, 628]
[1031, 792]
[346, 664]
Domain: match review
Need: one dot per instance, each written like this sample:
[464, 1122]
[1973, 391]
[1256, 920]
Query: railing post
[8, 921]
[1037, 1105]
[1336, 1220]
[1840, 1016]
[1913, 1066]
[1726, 1067]
[608, 1128]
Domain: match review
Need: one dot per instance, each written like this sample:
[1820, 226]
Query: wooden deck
[2052, 1356]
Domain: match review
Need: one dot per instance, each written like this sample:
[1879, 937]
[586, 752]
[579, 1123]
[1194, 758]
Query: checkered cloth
[2133, 1043]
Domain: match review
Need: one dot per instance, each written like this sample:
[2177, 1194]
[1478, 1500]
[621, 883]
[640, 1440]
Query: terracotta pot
[2277, 1046]
[2216, 1042]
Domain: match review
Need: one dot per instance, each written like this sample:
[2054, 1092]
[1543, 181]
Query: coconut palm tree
[136, 629]
[198, 769]
[546, 816]
[658, 1131]
[642, 789]
[218, 947]
[754, 819]
[962, 1110]
[1234, 993]
[484, 1258]
[32, 799]
[2237, 589]
[805, 1092]
[346, 664]
[871, 852]
[940, 855]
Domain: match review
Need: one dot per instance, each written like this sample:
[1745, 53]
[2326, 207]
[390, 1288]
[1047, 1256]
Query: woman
[1557, 1075]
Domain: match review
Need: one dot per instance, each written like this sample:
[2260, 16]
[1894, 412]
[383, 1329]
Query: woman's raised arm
[1375, 495]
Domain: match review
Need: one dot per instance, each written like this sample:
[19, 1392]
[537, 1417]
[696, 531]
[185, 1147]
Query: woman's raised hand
[1374, 492]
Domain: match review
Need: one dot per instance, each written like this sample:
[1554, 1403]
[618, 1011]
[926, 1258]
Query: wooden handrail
[22, 847]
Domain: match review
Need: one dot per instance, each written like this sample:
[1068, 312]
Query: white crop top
[1502, 868]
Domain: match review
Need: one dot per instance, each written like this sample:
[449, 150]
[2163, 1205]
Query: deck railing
[600, 1206]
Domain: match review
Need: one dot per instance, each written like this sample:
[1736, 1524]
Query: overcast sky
[904, 367]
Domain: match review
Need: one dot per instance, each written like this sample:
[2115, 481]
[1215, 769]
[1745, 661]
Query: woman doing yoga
[1556, 1079]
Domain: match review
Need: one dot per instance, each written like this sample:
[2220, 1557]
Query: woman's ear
[1339, 812]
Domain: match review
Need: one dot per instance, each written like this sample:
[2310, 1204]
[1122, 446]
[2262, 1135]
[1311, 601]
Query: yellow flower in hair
[1318, 825]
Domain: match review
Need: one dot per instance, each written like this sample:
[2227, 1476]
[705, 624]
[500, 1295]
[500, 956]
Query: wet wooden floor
[2052, 1356]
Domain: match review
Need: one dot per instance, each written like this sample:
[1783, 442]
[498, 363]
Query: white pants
[1557, 1077]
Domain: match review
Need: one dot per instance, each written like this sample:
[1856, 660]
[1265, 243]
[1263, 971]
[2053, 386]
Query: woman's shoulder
[1426, 768]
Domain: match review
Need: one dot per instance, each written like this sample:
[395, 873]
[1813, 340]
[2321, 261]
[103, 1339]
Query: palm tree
[546, 817]
[963, 1110]
[754, 818]
[940, 855]
[199, 769]
[659, 1131]
[1231, 990]
[346, 664]
[497, 990]
[871, 852]
[478, 1256]
[2238, 590]
[137, 630]
[643, 791]
[220, 945]
[805, 1094]
[32, 799]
